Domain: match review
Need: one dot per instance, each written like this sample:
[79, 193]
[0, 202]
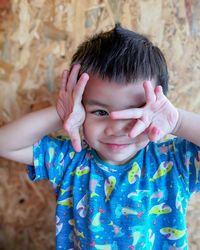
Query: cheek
[142, 140]
[129, 125]
[90, 128]
[87, 131]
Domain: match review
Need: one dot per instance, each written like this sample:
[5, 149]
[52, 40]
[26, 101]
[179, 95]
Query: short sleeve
[51, 158]
[194, 170]
[188, 158]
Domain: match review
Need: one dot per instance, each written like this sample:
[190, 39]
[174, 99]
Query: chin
[117, 159]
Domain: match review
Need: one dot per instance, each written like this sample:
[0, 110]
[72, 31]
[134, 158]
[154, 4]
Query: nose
[118, 127]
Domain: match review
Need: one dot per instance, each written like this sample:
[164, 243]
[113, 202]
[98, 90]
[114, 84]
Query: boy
[120, 188]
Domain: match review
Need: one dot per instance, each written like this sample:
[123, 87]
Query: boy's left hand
[158, 117]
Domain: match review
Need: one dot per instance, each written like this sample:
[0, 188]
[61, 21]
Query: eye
[100, 113]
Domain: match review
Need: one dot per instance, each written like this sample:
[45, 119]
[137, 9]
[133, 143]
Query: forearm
[25, 131]
[188, 126]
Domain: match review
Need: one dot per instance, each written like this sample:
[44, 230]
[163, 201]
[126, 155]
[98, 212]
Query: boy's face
[107, 136]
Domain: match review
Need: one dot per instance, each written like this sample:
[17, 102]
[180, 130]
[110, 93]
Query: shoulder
[171, 149]
[48, 142]
[58, 143]
[174, 144]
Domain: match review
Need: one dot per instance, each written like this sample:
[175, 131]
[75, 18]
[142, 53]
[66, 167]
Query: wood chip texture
[37, 40]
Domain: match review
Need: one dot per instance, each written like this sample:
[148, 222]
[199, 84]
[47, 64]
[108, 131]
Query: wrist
[178, 123]
[53, 118]
[60, 116]
[59, 119]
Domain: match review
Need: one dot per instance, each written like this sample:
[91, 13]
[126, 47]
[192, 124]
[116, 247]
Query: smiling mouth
[116, 147]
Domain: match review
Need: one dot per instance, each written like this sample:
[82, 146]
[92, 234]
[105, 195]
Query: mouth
[116, 147]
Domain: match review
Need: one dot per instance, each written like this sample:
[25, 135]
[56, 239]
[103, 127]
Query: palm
[69, 105]
[69, 110]
[162, 116]
[157, 118]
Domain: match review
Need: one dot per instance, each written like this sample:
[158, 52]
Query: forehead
[113, 94]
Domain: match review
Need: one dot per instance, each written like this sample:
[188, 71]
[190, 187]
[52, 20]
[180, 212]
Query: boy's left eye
[100, 113]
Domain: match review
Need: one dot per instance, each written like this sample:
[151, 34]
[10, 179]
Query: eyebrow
[96, 103]
[104, 105]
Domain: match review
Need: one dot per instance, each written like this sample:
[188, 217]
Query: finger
[73, 78]
[74, 135]
[149, 92]
[137, 129]
[134, 113]
[158, 92]
[154, 134]
[76, 140]
[64, 79]
[80, 87]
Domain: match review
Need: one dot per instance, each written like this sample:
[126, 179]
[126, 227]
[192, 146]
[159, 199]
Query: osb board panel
[37, 40]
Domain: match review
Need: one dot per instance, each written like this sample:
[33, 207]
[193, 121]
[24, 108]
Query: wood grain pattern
[37, 40]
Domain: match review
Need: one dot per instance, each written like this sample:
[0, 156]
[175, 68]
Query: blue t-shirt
[140, 205]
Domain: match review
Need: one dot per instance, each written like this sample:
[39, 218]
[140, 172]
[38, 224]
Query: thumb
[155, 133]
[76, 139]
[73, 133]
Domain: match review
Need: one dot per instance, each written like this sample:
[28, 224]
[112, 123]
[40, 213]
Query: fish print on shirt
[163, 169]
[96, 223]
[134, 173]
[172, 233]
[109, 187]
[94, 184]
[81, 170]
[82, 206]
[160, 209]
[99, 207]
[197, 166]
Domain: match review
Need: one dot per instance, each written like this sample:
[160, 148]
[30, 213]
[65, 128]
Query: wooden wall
[37, 40]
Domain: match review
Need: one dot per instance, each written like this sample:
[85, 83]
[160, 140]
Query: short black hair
[122, 56]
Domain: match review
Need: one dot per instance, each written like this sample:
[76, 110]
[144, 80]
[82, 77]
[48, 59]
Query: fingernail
[85, 76]
[77, 65]
[131, 135]
[114, 115]
[64, 73]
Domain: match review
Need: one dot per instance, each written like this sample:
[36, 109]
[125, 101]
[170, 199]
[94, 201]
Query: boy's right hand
[69, 105]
